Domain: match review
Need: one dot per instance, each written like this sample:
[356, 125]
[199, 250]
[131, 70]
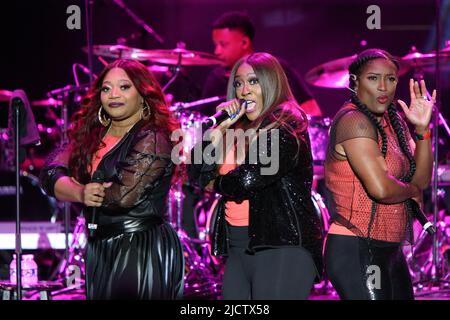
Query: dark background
[38, 50]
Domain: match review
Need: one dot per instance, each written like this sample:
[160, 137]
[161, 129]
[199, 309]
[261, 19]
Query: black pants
[358, 273]
[282, 273]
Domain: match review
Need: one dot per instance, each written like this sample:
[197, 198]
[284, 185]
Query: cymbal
[156, 69]
[46, 103]
[5, 95]
[178, 56]
[183, 57]
[119, 51]
[416, 58]
[334, 74]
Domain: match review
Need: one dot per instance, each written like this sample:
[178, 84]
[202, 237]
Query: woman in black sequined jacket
[267, 257]
[122, 136]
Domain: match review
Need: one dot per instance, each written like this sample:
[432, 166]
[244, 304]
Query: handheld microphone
[421, 217]
[220, 116]
[98, 177]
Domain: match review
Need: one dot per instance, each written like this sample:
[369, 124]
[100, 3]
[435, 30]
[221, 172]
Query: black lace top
[140, 168]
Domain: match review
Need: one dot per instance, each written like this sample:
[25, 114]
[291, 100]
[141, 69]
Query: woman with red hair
[121, 137]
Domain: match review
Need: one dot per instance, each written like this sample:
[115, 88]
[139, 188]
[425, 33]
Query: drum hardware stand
[198, 269]
[198, 211]
[200, 278]
[89, 7]
[75, 254]
[176, 196]
[64, 95]
[139, 21]
[436, 273]
[177, 68]
[187, 105]
[179, 196]
[65, 140]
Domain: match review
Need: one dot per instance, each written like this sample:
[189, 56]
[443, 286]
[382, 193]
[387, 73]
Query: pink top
[353, 202]
[236, 214]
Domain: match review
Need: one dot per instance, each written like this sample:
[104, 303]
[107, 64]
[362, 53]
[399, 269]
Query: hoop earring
[145, 112]
[102, 118]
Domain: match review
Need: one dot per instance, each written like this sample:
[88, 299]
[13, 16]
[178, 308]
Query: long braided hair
[356, 68]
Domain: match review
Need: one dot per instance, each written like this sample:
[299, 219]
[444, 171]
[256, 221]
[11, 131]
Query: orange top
[354, 205]
[110, 142]
[236, 214]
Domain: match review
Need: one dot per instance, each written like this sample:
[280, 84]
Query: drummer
[233, 34]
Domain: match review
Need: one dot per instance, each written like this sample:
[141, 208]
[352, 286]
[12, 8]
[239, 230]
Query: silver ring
[425, 98]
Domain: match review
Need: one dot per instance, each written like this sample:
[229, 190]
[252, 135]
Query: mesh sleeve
[354, 124]
[55, 167]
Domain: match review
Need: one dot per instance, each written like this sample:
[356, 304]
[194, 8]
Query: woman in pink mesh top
[373, 170]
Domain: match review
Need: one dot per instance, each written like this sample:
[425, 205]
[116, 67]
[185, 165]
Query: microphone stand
[89, 34]
[16, 109]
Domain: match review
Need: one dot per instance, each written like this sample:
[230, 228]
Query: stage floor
[331, 295]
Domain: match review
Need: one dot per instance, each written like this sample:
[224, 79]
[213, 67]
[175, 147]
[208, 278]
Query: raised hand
[420, 109]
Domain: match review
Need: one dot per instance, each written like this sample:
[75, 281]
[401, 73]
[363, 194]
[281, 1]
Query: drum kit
[203, 271]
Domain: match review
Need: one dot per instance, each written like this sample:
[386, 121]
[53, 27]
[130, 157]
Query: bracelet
[425, 136]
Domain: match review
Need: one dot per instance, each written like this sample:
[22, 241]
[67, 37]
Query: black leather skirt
[134, 259]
